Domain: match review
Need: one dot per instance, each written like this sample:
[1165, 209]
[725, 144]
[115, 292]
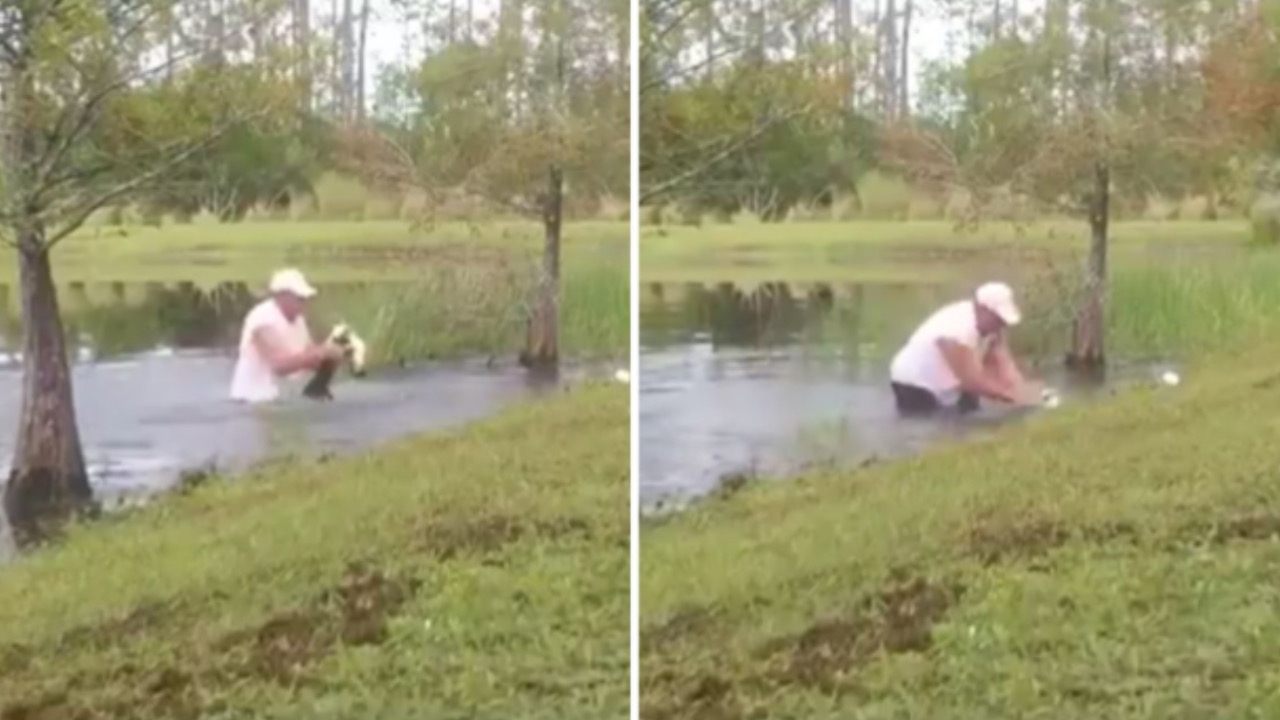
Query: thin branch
[78, 217]
[706, 164]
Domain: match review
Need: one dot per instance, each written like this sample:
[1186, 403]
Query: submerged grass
[480, 573]
[1115, 560]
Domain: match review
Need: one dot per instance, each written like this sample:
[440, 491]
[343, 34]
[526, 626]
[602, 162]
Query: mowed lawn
[1119, 559]
[479, 573]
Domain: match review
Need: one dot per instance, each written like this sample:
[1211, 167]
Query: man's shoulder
[957, 321]
[953, 315]
[265, 312]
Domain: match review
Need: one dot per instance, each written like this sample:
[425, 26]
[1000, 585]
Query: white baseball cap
[998, 298]
[292, 281]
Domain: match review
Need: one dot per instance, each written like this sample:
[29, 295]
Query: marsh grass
[1111, 560]
[476, 573]
[481, 306]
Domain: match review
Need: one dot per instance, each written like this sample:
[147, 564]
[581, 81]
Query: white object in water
[1050, 398]
[622, 376]
[1170, 378]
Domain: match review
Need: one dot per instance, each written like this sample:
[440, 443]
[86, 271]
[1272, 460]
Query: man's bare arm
[1004, 365]
[282, 360]
[963, 361]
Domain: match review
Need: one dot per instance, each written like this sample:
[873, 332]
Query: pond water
[152, 375]
[772, 379]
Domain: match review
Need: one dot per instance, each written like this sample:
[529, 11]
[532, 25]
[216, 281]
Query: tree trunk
[890, 58]
[170, 42]
[877, 56]
[48, 484]
[362, 52]
[1087, 349]
[904, 78]
[1088, 332]
[845, 51]
[302, 44]
[348, 57]
[543, 351]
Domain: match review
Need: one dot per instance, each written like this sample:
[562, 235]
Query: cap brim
[1010, 316]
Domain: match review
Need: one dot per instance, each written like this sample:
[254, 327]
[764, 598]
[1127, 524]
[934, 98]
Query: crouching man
[959, 356]
[275, 342]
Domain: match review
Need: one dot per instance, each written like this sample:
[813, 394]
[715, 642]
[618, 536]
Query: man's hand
[329, 351]
[1030, 393]
[284, 362]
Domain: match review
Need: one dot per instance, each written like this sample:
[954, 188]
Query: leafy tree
[85, 125]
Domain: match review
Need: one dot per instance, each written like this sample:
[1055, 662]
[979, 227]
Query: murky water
[152, 380]
[770, 380]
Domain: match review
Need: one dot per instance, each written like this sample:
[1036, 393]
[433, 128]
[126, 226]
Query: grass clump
[1115, 560]
[1190, 308]
[478, 573]
[1264, 219]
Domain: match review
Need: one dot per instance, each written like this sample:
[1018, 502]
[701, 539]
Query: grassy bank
[900, 251]
[1115, 560]
[481, 573]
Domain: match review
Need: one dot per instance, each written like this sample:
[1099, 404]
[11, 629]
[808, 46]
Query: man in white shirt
[275, 341]
[960, 355]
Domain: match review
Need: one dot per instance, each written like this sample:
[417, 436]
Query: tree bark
[48, 484]
[1088, 332]
[543, 351]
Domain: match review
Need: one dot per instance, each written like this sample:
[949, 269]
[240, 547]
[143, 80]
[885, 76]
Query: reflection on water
[152, 381]
[773, 379]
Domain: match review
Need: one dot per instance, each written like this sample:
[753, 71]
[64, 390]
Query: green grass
[899, 251]
[325, 250]
[1115, 560]
[1194, 307]
[481, 573]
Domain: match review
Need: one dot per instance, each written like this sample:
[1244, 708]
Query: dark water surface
[153, 373]
[773, 379]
